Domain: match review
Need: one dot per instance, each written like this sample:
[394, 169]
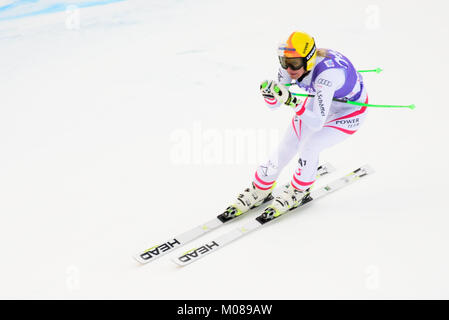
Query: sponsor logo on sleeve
[319, 96]
[324, 82]
[329, 63]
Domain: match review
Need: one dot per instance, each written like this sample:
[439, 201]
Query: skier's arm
[270, 100]
[315, 119]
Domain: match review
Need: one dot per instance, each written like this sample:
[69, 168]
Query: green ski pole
[411, 106]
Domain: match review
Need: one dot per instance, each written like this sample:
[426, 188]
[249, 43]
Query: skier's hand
[266, 88]
[282, 94]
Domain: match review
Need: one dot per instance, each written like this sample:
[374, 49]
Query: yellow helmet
[300, 45]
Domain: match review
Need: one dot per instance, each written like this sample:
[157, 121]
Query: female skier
[318, 123]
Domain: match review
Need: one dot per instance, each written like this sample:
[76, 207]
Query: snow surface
[121, 125]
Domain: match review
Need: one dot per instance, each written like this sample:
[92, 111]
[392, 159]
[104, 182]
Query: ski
[157, 251]
[197, 253]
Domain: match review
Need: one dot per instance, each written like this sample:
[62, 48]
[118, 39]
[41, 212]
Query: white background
[96, 104]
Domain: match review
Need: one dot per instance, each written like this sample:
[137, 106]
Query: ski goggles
[293, 63]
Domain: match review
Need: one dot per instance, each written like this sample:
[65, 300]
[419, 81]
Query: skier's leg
[267, 173]
[340, 126]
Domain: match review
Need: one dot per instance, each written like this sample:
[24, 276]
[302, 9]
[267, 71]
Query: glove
[282, 94]
[266, 88]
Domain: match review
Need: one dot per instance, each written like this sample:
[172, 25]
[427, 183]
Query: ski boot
[250, 198]
[288, 199]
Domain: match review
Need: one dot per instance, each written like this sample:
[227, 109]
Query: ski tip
[139, 259]
[145, 256]
[178, 263]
